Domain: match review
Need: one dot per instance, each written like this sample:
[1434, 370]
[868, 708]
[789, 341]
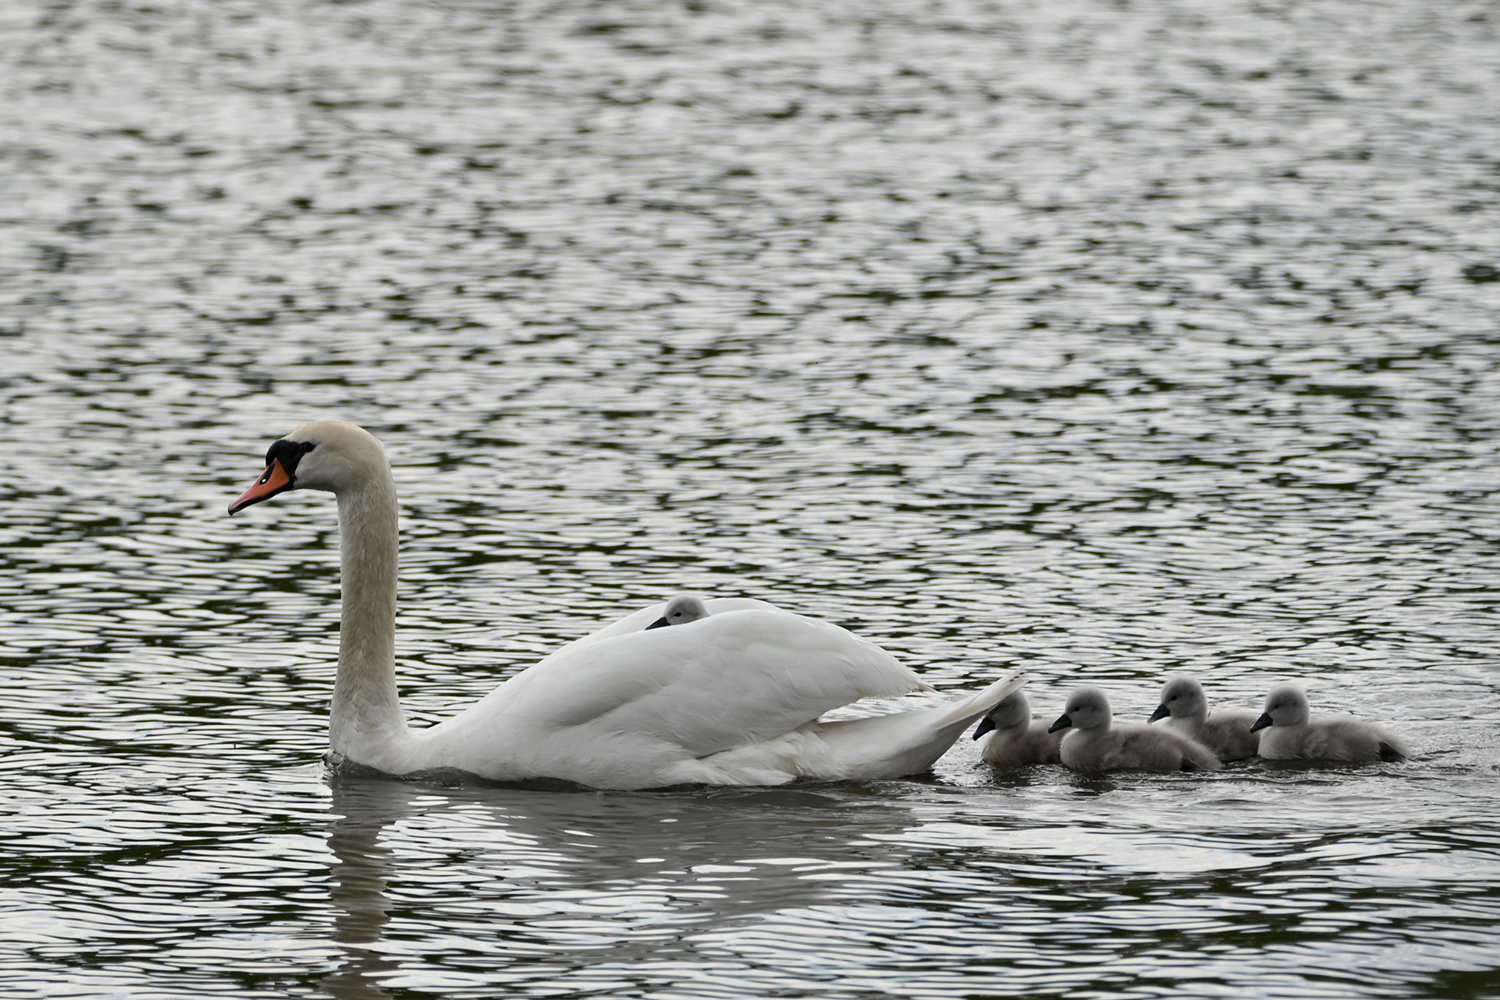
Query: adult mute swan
[1096, 744]
[1185, 707]
[1289, 732]
[733, 698]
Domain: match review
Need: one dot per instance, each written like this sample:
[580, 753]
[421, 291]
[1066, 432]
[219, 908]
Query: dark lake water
[1115, 339]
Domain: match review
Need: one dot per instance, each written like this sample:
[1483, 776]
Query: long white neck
[365, 723]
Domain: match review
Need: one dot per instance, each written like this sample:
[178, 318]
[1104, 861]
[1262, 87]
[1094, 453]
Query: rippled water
[1112, 338]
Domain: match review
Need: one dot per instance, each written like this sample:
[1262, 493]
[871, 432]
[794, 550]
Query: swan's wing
[733, 678]
[638, 620]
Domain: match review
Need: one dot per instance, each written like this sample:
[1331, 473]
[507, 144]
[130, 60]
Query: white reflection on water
[580, 877]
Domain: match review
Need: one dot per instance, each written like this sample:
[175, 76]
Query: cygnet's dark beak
[659, 623]
[1062, 723]
[1262, 722]
[1161, 712]
[985, 725]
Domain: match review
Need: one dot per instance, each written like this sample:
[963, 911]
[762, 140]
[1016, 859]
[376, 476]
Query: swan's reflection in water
[359, 878]
[537, 881]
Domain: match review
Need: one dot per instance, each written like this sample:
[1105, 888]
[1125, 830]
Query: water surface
[1114, 339]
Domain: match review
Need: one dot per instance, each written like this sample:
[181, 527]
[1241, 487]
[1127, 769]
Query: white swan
[1014, 741]
[1096, 744]
[1185, 707]
[733, 698]
[1289, 732]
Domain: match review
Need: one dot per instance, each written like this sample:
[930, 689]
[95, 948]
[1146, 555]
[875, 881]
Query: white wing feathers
[732, 698]
[733, 678]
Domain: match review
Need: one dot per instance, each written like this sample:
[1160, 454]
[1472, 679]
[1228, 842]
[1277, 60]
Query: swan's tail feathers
[976, 706]
[890, 746]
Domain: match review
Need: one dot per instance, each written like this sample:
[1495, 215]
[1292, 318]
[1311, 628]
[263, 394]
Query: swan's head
[1286, 705]
[1181, 698]
[1087, 708]
[328, 455]
[1013, 712]
[680, 610]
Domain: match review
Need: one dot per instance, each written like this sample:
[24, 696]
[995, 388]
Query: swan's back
[640, 621]
[667, 697]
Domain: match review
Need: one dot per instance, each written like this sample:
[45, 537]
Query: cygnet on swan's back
[1094, 743]
[1014, 740]
[1289, 732]
[1185, 708]
[680, 610]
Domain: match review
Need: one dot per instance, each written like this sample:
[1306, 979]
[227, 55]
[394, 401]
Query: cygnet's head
[680, 610]
[1013, 712]
[1087, 708]
[1181, 698]
[1286, 705]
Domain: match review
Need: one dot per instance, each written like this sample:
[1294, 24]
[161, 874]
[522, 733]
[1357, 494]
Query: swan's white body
[733, 698]
[1289, 732]
[1095, 743]
[1185, 708]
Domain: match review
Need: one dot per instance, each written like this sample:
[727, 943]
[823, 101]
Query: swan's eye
[290, 449]
[288, 453]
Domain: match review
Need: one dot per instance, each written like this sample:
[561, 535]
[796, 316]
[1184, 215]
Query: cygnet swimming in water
[1185, 708]
[1288, 732]
[1014, 741]
[680, 610]
[1094, 744]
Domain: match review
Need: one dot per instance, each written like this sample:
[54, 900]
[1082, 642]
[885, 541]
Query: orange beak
[271, 482]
